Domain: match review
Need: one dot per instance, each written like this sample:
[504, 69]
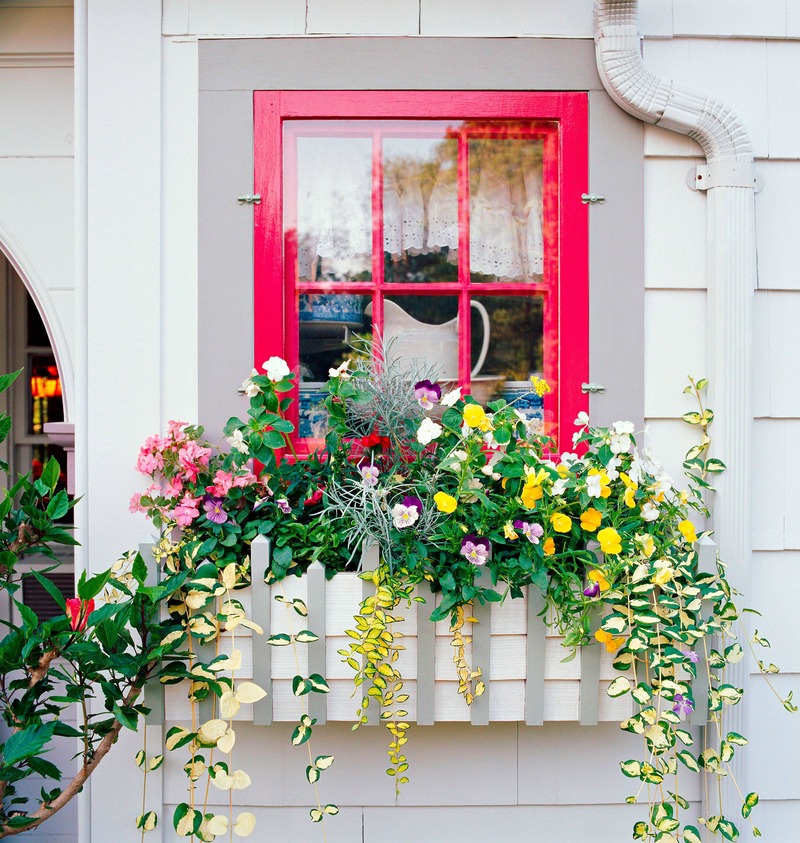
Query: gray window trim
[231, 69]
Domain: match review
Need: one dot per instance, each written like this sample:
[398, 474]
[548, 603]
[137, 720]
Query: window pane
[334, 208]
[423, 331]
[506, 239]
[420, 208]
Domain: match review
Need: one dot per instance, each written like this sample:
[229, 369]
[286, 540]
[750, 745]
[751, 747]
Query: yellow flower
[630, 490]
[474, 415]
[549, 547]
[445, 502]
[647, 543]
[609, 540]
[508, 530]
[663, 576]
[600, 487]
[530, 494]
[540, 386]
[590, 520]
[599, 578]
[563, 470]
[687, 528]
[561, 523]
[612, 644]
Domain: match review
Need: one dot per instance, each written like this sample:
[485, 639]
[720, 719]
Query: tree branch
[44, 812]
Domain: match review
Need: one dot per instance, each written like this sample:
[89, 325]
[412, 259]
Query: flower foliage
[479, 504]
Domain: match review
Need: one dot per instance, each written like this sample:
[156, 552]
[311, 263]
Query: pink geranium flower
[223, 483]
[186, 511]
[192, 458]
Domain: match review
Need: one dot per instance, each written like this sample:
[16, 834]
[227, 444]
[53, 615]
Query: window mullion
[464, 321]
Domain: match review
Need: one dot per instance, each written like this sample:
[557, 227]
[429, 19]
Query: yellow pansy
[647, 544]
[509, 532]
[612, 644]
[549, 547]
[598, 483]
[563, 470]
[590, 519]
[561, 523]
[609, 540]
[475, 416]
[599, 578]
[687, 529]
[445, 502]
[532, 490]
[663, 576]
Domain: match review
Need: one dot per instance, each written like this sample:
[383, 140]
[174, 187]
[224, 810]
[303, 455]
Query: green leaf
[686, 758]
[50, 473]
[51, 589]
[750, 802]
[89, 588]
[691, 834]
[736, 738]
[306, 636]
[728, 830]
[312, 774]
[279, 640]
[7, 380]
[621, 685]
[300, 735]
[318, 683]
[323, 761]
[58, 506]
[632, 768]
[139, 571]
[27, 742]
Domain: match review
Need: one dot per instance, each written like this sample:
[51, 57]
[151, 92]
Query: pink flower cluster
[176, 462]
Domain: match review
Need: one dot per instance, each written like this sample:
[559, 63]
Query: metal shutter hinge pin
[592, 387]
[592, 199]
[250, 199]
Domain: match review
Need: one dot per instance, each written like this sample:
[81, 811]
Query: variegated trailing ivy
[446, 489]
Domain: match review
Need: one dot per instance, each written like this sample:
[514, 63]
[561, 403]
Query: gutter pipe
[729, 181]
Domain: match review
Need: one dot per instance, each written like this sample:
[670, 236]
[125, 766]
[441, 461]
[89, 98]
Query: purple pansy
[214, 511]
[427, 394]
[592, 590]
[476, 550]
[532, 532]
[406, 513]
[369, 474]
[683, 705]
[284, 506]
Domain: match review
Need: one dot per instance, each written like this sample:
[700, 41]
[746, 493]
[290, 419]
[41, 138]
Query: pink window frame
[566, 278]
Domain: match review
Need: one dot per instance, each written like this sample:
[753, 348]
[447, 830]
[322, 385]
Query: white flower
[276, 368]
[451, 397]
[582, 420]
[649, 511]
[623, 427]
[568, 458]
[248, 387]
[594, 486]
[404, 516]
[236, 441]
[575, 438]
[428, 431]
[620, 443]
[559, 486]
[340, 371]
[611, 468]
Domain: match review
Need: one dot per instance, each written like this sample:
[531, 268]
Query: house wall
[36, 161]
[143, 124]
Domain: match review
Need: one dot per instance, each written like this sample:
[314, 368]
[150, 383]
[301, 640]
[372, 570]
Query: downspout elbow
[714, 125]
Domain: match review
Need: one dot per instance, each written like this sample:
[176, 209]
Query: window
[450, 223]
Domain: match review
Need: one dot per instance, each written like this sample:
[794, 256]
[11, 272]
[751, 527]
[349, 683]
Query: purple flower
[475, 550]
[214, 511]
[592, 590]
[693, 657]
[683, 705]
[411, 501]
[427, 394]
[369, 474]
[532, 532]
[284, 506]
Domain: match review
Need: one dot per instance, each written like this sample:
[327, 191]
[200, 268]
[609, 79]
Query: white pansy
[428, 431]
[582, 420]
[649, 511]
[248, 387]
[568, 458]
[276, 368]
[619, 443]
[611, 468]
[451, 397]
[594, 486]
[560, 486]
[624, 428]
[340, 371]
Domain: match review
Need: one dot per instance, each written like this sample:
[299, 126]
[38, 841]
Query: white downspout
[731, 281]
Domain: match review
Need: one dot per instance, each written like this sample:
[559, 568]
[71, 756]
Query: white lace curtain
[420, 205]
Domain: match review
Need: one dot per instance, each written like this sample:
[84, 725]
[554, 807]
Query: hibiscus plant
[95, 660]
